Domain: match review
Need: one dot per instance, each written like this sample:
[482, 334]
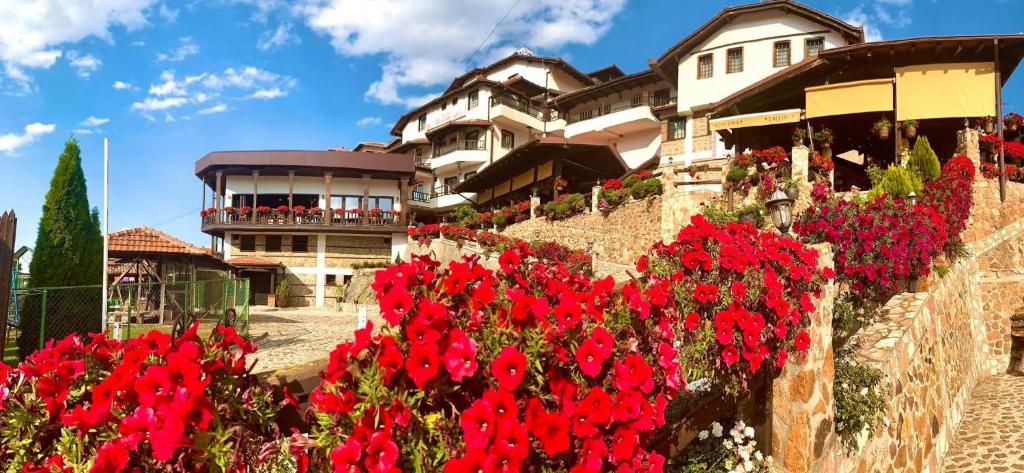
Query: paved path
[991, 435]
[298, 336]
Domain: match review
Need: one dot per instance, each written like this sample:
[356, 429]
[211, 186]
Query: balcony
[516, 111]
[351, 221]
[446, 197]
[618, 118]
[420, 199]
[460, 151]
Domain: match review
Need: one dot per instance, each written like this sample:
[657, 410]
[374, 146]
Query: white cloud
[152, 103]
[84, 65]
[426, 43]
[32, 32]
[82, 131]
[280, 36]
[874, 14]
[138, 43]
[214, 109]
[10, 142]
[121, 85]
[267, 94]
[188, 48]
[169, 15]
[368, 121]
[248, 78]
[94, 121]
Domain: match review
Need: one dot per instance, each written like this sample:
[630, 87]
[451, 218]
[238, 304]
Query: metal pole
[106, 229]
[42, 322]
[131, 302]
[999, 124]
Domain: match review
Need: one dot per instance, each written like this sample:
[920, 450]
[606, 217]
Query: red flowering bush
[951, 195]
[989, 170]
[643, 174]
[282, 209]
[876, 243]
[740, 298]
[820, 164]
[546, 251]
[1014, 152]
[263, 209]
[146, 404]
[773, 155]
[1013, 120]
[244, 210]
[299, 209]
[991, 144]
[611, 184]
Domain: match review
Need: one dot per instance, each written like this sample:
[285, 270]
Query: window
[473, 99]
[421, 122]
[676, 128]
[300, 243]
[813, 46]
[247, 243]
[450, 183]
[347, 202]
[704, 66]
[468, 175]
[734, 61]
[331, 280]
[444, 105]
[781, 58]
[508, 139]
[273, 243]
[382, 202]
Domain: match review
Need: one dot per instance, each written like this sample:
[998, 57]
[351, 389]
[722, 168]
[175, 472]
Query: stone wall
[620, 236]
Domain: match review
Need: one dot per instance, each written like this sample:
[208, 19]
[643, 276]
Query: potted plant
[750, 214]
[881, 128]
[799, 136]
[561, 183]
[824, 137]
[1012, 121]
[736, 175]
[788, 185]
[909, 129]
[987, 124]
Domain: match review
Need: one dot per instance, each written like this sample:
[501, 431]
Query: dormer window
[704, 66]
[813, 46]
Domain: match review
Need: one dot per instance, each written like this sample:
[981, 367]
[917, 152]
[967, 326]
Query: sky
[169, 81]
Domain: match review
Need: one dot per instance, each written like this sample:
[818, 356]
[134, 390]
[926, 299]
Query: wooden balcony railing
[639, 100]
[338, 217]
[461, 145]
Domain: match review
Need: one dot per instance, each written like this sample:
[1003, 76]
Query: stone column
[534, 206]
[670, 201]
[594, 200]
[967, 145]
[803, 405]
[801, 170]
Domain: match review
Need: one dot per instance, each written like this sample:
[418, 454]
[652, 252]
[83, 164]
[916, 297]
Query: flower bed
[565, 206]
[640, 185]
[548, 251]
[148, 403]
[533, 368]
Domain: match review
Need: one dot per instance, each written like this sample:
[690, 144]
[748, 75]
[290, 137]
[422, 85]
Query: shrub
[951, 195]
[466, 215]
[283, 293]
[736, 174]
[860, 397]
[990, 144]
[149, 403]
[499, 220]
[717, 450]
[897, 181]
[646, 188]
[565, 205]
[1014, 152]
[923, 160]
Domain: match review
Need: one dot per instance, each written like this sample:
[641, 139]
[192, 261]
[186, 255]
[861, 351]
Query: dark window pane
[273, 243]
[247, 243]
[300, 243]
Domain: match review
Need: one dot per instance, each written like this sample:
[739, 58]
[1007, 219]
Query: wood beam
[328, 217]
[218, 197]
[255, 183]
[366, 199]
[291, 197]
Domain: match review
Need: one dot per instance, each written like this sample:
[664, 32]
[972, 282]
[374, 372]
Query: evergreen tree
[923, 160]
[68, 252]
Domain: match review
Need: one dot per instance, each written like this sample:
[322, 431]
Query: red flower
[803, 341]
[591, 414]
[345, 457]
[478, 424]
[508, 368]
[423, 363]
[730, 355]
[381, 454]
[509, 260]
[460, 358]
[503, 404]
[706, 293]
[553, 432]
[111, 457]
[395, 304]
[692, 321]
[590, 358]
[634, 373]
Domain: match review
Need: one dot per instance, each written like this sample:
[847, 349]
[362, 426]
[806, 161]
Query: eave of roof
[856, 34]
[636, 79]
[393, 163]
[468, 122]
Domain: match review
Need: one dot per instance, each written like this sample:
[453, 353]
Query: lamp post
[780, 206]
[912, 198]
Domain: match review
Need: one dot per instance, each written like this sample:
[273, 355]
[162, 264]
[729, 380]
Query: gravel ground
[297, 336]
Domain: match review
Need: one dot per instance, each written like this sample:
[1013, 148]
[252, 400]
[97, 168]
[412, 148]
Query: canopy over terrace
[939, 79]
[580, 162]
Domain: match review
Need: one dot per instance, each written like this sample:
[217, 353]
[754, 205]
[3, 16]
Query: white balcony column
[255, 184]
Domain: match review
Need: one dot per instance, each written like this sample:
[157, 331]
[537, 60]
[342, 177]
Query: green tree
[923, 160]
[68, 252]
[897, 181]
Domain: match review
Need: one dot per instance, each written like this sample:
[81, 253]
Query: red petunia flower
[590, 358]
[692, 321]
[423, 363]
[503, 404]
[381, 454]
[553, 432]
[508, 368]
[803, 341]
[478, 424]
[460, 358]
[111, 457]
[395, 304]
[345, 457]
[633, 372]
[730, 355]
[509, 260]
[706, 293]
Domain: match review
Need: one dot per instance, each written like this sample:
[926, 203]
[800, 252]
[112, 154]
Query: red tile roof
[253, 261]
[151, 240]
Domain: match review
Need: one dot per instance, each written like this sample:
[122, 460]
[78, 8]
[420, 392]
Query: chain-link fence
[52, 313]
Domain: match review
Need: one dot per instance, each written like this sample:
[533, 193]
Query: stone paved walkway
[991, 435]
[290, 337]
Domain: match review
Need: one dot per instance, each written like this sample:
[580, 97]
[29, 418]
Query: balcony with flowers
[283, 218]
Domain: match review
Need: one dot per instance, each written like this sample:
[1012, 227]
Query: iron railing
[460, 145]
[639, 100]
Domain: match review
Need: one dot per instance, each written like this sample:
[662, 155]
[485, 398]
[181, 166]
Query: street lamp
[780, 206]
[912, 198]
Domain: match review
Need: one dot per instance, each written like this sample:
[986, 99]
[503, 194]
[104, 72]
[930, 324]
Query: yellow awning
[755, 119]
[862, 96]
[945, 91]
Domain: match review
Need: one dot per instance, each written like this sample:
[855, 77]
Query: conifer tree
[923, 160]
[68, 252]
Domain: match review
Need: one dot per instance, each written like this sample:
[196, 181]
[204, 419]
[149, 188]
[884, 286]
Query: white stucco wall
[757, 34]
[637, 148]
[310, 185]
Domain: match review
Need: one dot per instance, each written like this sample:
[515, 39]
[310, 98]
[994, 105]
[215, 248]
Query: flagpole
[106, 227]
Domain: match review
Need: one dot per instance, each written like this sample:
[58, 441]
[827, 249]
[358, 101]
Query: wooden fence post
[8, 225]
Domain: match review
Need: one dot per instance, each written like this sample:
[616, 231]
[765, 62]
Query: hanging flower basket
[882, 128]
[987, 124]
[910, 129]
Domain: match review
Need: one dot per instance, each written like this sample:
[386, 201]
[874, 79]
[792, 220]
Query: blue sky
[169, 81]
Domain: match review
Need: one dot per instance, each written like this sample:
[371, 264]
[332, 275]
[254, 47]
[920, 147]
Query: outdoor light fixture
[912, 198]
[781, 208]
